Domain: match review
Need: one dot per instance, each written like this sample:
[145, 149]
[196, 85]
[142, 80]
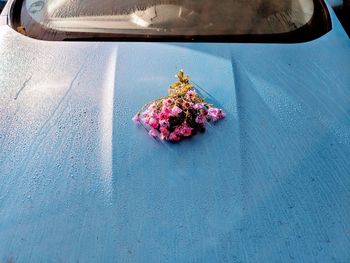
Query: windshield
[185, 18]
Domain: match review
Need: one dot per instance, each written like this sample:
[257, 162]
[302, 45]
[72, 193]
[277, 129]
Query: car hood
[76, 170]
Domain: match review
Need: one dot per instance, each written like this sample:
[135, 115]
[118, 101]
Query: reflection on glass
[172, 17]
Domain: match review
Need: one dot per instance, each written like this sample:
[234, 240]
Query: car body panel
[80, 182]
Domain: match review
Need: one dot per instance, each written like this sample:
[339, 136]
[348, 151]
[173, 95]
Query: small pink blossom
[153, 123]
[187, 104]
[186, 131]
[174, 137]
[145, 120]
[152, 107]
[136, 118]
[153, 114]
[146, 113]
[221, 114]
[183, 130]
[190, 94]
[164, 133]
[216, 114]
[166, 110]
[153, 132]
[165, 113]
[163, 116]
[204, 112]
[201, 119]
[168, 102]
[175, 111]
[150, 114]
[213, 111]
[198, 106]
[163, 123]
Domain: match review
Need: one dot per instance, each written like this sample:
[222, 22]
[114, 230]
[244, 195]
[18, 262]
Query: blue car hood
[80, 182]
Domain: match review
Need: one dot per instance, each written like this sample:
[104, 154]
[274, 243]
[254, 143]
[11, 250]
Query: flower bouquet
[179, 115]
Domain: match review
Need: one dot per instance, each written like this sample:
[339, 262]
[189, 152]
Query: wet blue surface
[80, 182]
[335, 3]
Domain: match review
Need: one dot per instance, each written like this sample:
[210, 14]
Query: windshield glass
[187, 18]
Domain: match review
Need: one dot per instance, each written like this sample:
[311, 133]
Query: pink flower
[186, 130]
[145, 113]
[190, 94]
[163, 116]
[173, 137]
[183, 130]
[153, 132]
[165, 113]
[216, 114]
[187, 104]
[198, 106]
[203, 112]
[164, 133]
[221, 114]
[201, 119]
[136, 118]
[145, 120]
[168, 102]
[166, 110]
[150, 113]
[152, 107]
[163, 123]
[153, 123]
[175, 111]
[213, 111]
[153, 114]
